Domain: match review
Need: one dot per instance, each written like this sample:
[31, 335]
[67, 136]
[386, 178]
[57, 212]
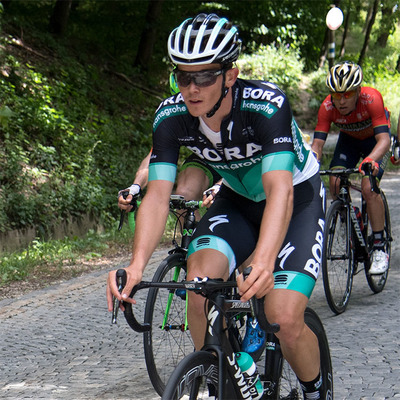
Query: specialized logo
[284, 254]
[218, 219]
[212, 316]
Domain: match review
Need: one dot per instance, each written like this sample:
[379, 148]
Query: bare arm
[142, 174]
[141, 179]
[381, 148]
[317, 147]
[150, 224]
[278, 187]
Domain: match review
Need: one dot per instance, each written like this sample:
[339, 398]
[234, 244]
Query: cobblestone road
[58, 343]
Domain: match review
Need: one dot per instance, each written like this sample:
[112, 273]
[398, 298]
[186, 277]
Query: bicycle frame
[219, 305]
[178, 202]
[359, 235]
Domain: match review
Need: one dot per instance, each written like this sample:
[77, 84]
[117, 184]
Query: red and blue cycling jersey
[258, 136]
[368, 119]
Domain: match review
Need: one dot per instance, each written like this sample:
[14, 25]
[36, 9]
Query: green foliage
[281, 66]
[64, 150]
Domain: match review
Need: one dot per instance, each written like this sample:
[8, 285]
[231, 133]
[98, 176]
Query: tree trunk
[59, 17]
[149, 34]
[344, 37]
[324, 50]
[386, 24]
[368, 32]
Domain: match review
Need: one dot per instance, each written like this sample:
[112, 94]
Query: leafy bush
[281, 66]
[65, 150]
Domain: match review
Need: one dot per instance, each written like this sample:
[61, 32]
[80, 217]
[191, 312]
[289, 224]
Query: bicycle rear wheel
[378, 282]
[196, 377]
[169, 340]
[338, 258]
[280, 381]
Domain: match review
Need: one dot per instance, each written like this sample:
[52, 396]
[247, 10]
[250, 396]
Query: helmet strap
[225, 91]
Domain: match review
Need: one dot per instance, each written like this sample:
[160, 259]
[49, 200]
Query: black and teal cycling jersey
[259, 135]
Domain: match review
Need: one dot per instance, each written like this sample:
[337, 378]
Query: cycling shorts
[232, 225]
[349, 151]
[196, 162]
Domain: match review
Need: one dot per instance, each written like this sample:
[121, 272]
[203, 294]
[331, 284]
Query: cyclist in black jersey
[269, 212]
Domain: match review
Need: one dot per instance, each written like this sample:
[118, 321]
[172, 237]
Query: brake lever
[133, 203]
[257, 309]
[366, 167]
[121, 282]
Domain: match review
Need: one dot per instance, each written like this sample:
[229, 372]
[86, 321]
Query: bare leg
[299, 344]
[375, 207]
[192, 182]
[210, 263]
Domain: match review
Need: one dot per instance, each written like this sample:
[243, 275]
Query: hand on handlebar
[126, 196]
[364, 169]
[209, 195]
[258, 283]
[395, 158]
[113, 291]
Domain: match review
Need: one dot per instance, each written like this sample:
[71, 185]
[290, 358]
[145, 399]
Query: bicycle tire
[378, 282]
[196, 377]
[280, 381]
[166, 345]
[338, 258]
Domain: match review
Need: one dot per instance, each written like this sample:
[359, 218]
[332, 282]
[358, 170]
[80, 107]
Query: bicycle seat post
[188, 228]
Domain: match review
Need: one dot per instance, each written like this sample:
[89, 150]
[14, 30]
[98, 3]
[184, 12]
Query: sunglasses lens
[182, 78]
[346, 95]
[200, 79]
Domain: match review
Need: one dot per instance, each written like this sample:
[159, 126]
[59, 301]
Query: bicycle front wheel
[378, 282]
[196, 377]
[338, 258]
[280, 381]
[169, 340]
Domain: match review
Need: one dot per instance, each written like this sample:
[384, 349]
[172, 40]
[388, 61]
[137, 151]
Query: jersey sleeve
[164, 158]
[277, 140]
[377, 112]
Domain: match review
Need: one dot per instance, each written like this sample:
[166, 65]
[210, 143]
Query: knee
[291, 327]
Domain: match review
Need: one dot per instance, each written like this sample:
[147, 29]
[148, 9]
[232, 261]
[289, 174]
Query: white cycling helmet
[204, 39]
[344, 77]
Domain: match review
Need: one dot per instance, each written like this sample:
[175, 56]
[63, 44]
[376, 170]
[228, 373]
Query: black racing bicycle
[347, 242]
[214, 371]
[169, 340]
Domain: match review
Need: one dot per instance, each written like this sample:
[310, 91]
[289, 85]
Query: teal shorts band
[294, 281]
[215, 243]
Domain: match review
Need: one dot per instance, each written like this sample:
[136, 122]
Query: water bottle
[249, 370]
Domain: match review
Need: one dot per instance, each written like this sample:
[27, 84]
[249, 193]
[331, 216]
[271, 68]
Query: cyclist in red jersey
[364, 125]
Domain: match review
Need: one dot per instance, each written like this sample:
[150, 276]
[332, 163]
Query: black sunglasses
[199, 78]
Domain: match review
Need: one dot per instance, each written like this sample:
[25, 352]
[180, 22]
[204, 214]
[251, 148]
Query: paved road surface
[58, 343]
